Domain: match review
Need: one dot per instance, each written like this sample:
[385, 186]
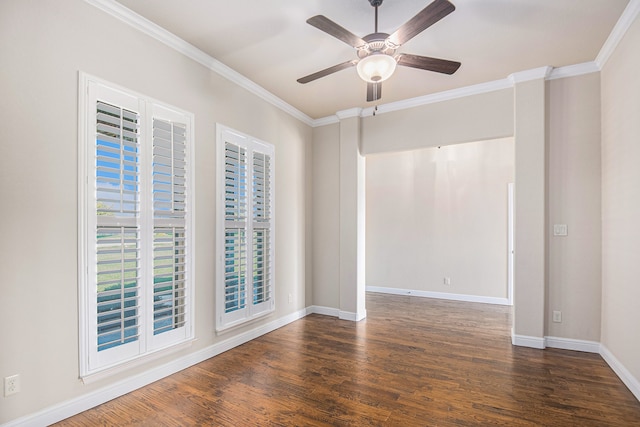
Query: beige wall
[620, 88]
[440, 212]
[308, 198]
[472, 118]
[530, 213]
[352, 221]
[574, 261]
[326, 216]
[44, 44]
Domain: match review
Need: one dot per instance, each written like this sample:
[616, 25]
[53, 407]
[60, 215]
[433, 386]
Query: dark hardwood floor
[412, 362]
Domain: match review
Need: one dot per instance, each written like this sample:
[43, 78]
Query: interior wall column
[530, 207]
[352, 217]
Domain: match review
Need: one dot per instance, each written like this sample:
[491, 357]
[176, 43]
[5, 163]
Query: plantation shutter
[169, 188]
[117, 180]
[261, 191]
[235, 227]
[245, 286]
[136, 227]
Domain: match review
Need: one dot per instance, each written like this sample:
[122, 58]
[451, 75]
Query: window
[135, 226]
[245, 276]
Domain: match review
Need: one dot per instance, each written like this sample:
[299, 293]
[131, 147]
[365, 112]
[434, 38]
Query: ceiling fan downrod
[376, 3]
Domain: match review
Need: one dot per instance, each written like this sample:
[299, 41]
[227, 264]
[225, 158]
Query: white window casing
[135, 226]
[246, 228]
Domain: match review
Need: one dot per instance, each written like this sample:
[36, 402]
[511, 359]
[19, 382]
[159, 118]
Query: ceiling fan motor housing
[375, 3]
[376, 43]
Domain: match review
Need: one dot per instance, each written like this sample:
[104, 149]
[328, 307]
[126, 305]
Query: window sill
[139, 360]
[221, 330]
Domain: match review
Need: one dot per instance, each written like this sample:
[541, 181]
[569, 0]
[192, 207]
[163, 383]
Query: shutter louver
[169, 241]
[261, 191]
[235, 269]
[169, 183]
[117, 281]
[261, 267]
[117, 233]
[169, 269]
[117, 162]
[235, 183]
[261, 187]
[235, 256]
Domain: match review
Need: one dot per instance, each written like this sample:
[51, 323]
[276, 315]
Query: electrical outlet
[560, 230]
[290, 298]
[557, 316]
[447, 281]
[11, 385]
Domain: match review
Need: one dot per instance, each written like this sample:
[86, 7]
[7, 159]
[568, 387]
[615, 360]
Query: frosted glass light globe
[376, 67]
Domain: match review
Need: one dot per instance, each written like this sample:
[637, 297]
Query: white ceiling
[270, 42]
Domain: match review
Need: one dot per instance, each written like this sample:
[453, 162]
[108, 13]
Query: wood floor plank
[412, 362]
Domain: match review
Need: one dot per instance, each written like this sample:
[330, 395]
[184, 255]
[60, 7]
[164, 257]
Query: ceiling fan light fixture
[376, 67]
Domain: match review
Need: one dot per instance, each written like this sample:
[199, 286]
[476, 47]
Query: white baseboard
[347, 315]
[527, 341]
[325, 311]
[571, 344]
[623, 373]
[335, 312]
[439, 295]
[82, 403]
[555, 342]
[353, 317]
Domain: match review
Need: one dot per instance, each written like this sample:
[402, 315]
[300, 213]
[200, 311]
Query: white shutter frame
[94, 359]
[251, 311]
[165, 339]
[93, 366]
[266, 227]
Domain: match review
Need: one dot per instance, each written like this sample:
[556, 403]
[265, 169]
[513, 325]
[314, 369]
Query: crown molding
[619, 30]
[323, 121]
[351, 112]
[573, 70]
[439, 97]
[547, 73]
[153, 30]
[528, 75]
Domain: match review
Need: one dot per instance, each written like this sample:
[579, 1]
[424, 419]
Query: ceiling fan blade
[328, 26]
[327, 71]
[430, 64]
[374, 91]
[423, 20]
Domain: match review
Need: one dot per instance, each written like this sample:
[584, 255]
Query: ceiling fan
[377, 58]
